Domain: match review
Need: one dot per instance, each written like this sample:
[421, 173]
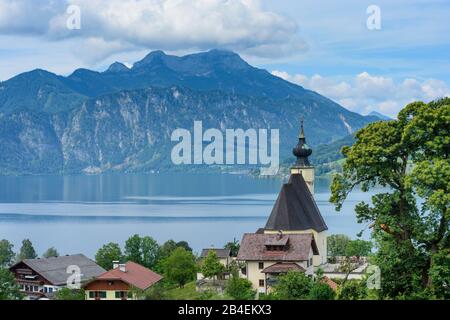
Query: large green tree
[6, 253]
[358, 248]
[107, 254]
[142, 250]
[410, 157]
[27, 251]
[337, 244]
[9, 289]
[180, 267]
[211, 266]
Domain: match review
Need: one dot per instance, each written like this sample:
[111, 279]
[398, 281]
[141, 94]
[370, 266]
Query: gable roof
[54, 269]
[221, 253]
[295, 208]
[135, 275]
[253, 247]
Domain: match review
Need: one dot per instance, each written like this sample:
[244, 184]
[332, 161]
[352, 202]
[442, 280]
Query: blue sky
[322, 45]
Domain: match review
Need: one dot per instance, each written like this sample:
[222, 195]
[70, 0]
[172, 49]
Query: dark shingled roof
[295, 208]
[283, 268]
[55, 269]
[254, 248]
[221, 253]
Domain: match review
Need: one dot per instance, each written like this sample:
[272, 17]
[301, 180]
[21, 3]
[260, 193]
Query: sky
[366, 55]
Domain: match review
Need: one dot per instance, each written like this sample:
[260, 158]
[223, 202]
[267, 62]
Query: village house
[224, 256]
[268, 255]
[294, 238]
[118, 283]
[42, 278]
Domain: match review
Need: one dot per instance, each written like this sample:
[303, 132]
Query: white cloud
[164, 24]
[365, 93]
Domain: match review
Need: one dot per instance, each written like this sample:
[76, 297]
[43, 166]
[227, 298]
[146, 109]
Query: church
[294, 238]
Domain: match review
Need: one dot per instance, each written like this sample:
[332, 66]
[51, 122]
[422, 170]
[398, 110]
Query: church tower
[302, 166]
[296, 211]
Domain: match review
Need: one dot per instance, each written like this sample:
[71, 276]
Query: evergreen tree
[26, 251]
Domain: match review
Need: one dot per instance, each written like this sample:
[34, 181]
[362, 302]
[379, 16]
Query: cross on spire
[302, 131]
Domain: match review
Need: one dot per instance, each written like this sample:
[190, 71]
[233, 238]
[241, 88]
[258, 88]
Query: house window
[261, 265]
[91, 294]
[50, 290]
[307, 263]
[261, 283]
[121, 294]
[310, 261]
[102, 294]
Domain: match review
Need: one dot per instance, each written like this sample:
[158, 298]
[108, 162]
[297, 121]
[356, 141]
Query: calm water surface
[78, 214]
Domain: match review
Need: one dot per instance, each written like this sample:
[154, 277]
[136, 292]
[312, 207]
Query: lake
[78, 214]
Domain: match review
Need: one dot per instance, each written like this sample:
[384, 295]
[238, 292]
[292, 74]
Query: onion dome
[302, 151]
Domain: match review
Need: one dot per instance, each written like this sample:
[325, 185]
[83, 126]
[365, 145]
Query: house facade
[42, 278]
[294, 237]
[118, 283]
[266, 256]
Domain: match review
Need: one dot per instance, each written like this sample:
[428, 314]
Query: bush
[293, 286]
[353, 290]
[321, 291]
[240, 289]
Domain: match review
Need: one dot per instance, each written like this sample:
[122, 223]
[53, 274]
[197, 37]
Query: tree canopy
[27, 251]
[107, 254]
[180, 267]
[51, 252]
[337, 244]
[6, 253]
[142, 250]
[9, 289]
[211, 266]
[410, 157]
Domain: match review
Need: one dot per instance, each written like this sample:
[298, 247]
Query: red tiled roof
[283, 268]
[135, 275]
[333, 285]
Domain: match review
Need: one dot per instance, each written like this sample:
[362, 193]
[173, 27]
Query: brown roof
[333, 285]
[253, 247]
[221, 253]
[295, 208]
[283, 268]
[135, 275]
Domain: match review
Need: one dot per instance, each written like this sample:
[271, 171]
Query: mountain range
[122, 119]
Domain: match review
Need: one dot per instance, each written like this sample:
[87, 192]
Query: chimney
[122, 267]
[115, 264]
